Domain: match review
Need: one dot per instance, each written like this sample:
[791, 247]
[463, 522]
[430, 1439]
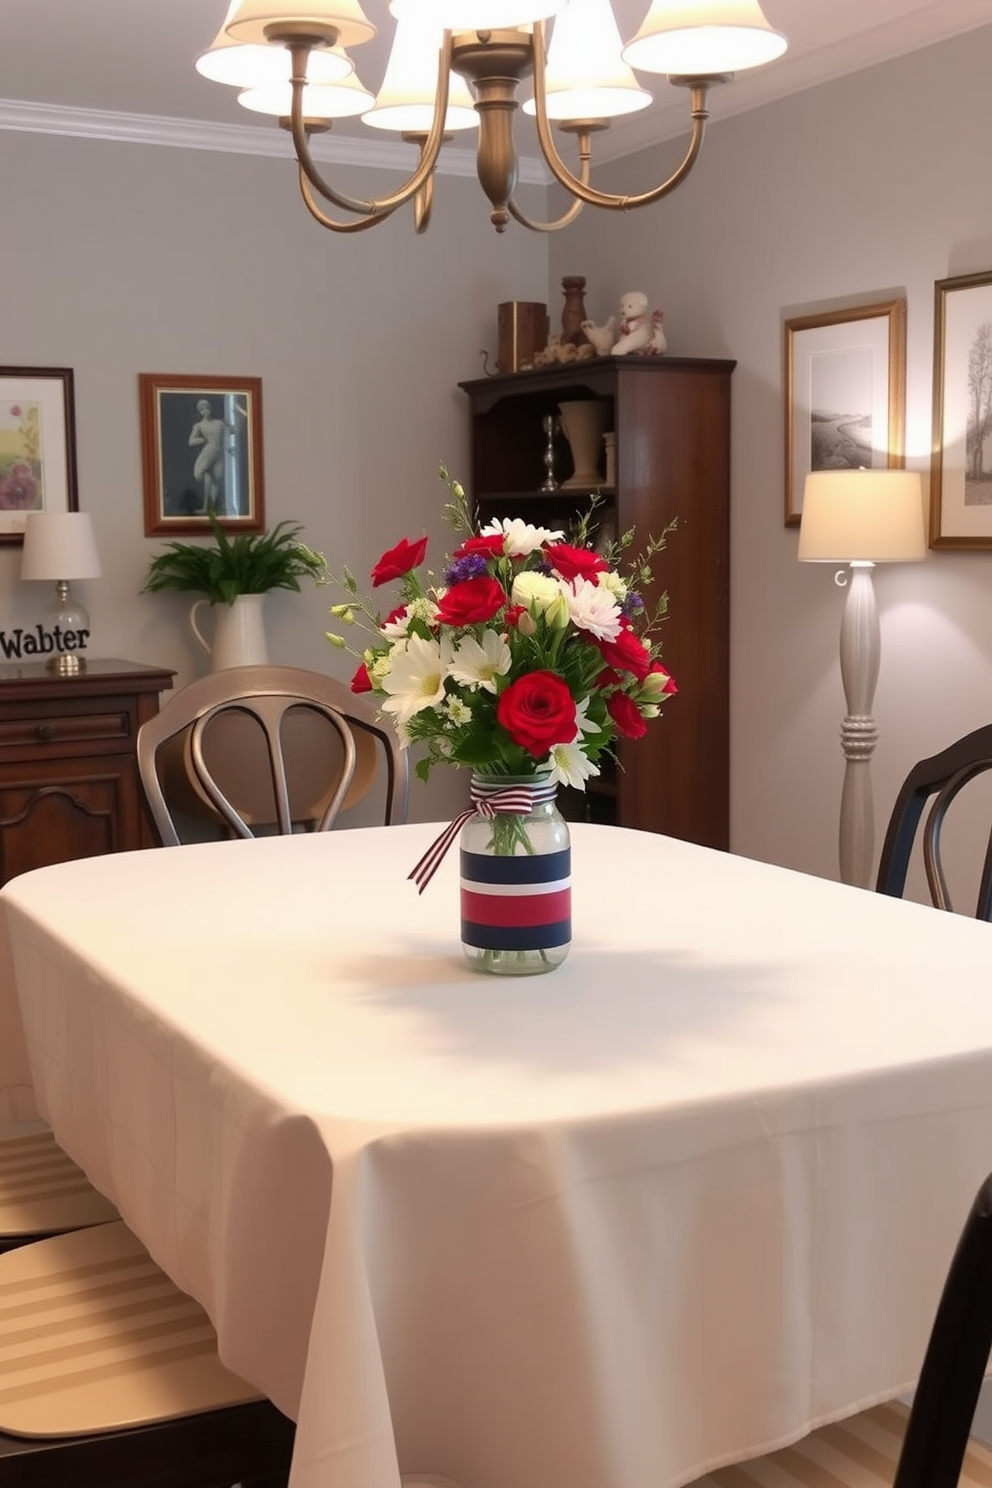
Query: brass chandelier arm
[699, 87]
[568, 216]
[543, 227]
[374, 208]
[358, 224]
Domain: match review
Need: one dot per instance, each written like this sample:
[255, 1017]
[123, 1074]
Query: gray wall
[121, 258]
[858, 190]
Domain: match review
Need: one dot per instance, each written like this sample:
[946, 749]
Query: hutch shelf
[671, 421]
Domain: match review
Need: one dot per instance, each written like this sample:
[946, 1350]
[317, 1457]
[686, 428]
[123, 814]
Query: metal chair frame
[938, 781]
[266, 694]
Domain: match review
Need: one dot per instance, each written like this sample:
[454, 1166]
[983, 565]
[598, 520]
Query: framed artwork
[37, 446]
[201, 453]
[961, 467]
[845, 394]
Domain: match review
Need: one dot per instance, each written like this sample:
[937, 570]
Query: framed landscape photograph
[201, 453]
[37, 446]
[961, 468]
[845, 394]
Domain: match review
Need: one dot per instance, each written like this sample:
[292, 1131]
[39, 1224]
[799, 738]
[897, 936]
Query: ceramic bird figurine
[600, 336]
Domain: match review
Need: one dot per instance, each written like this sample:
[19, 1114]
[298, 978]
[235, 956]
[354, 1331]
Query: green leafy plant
[250, 563]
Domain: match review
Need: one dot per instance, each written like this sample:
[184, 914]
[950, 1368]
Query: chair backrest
[955, 1361]
[938, 780]
[268, 747]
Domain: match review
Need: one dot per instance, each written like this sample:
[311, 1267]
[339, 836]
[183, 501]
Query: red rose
[512, 617]
[575, 563]
[472, 602]
[537, 711]
[627, 653]
[361, 681]
[399, 561]
[490, 546]
[626, 715]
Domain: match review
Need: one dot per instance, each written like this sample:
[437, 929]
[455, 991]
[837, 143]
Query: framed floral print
[37, 446]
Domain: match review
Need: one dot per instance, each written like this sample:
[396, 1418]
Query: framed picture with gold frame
[201, 453]
[961, 467]
[845, 393]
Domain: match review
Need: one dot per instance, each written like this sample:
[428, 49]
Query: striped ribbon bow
[487, 801]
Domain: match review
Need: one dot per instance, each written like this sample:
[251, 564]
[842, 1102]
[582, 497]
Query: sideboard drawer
[16, 733]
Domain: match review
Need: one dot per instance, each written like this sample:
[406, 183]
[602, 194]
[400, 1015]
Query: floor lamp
[860, 517]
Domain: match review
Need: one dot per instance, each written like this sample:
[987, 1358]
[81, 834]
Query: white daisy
[519, 537]
[593, 609]
[569, 766]
[416, 677]
[478, 665]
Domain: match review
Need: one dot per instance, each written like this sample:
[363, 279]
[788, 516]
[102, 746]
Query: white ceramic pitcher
[239, 634]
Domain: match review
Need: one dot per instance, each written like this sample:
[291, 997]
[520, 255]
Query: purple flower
[632, 605]
[472, 566]
[19, 489]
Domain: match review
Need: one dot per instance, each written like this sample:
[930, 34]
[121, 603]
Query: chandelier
[458, 64]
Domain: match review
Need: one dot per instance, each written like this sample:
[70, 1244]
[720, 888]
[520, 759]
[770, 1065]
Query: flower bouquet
[524, 662]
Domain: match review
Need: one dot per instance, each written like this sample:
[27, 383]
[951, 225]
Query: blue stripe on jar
[517, 938]
[539, 869]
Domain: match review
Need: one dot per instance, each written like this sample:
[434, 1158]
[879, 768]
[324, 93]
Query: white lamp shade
[867, 516]
[246, 21]
[586, 76]
[474, 15]
[227, 61]
[59, 545]
[341, 100]
[406, 99]
[695, 36]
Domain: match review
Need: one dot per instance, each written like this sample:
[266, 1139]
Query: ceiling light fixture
[442, 49]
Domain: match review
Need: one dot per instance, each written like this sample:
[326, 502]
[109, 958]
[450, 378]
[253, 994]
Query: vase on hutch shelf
[516, 903]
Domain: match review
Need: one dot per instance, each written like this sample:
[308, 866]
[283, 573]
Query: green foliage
[250, 563]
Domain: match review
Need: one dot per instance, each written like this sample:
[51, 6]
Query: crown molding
[234, 139]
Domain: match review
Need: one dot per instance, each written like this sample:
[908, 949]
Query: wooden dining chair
[43, 1192]
[109, 1377]
[936, 782]
[266, 748]
[927, 1445]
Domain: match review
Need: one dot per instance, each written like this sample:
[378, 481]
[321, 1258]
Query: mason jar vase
[516, 916]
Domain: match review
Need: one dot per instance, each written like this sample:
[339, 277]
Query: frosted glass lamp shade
[862, 516]
[59, 545]
[248, 20]
[695, 36]
[406, 99]
[586, 76]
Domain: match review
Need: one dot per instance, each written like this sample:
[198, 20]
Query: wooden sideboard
[69, 785]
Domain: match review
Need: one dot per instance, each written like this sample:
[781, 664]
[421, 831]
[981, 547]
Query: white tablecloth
[681, 1199]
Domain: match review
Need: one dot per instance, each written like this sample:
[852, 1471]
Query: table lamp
[61, 546]
[860, 517]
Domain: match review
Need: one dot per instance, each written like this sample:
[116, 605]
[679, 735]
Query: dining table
[675, 1203]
